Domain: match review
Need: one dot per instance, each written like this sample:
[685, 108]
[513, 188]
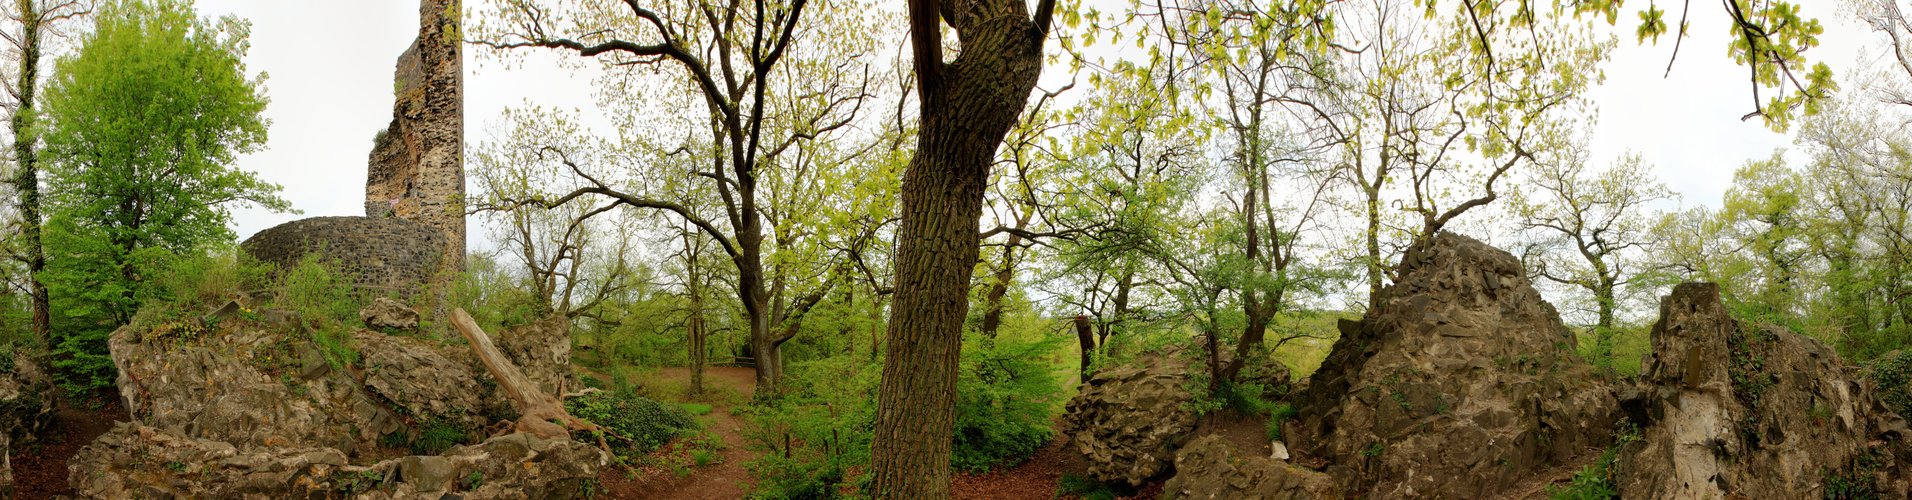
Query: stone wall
[377, 253]
[417, 169]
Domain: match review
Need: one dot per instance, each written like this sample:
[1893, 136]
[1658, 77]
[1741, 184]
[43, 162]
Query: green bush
[439, 435]
[1279, 414]
[817, 431]
[1595, 482]
[1892, 374]
[646, 423]
[326, 301]
[1006, 398]
[782, 478]
[1088, 489]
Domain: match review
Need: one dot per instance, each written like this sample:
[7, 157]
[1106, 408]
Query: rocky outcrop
[26, 396]
[1128, 420]
[136, 461]
[423, 379]
[26, 405]
[1461, 383]
[542, 350]
[250, 384]
[387, 315]
[416, 171]
[1739, 410]
[1210, 468]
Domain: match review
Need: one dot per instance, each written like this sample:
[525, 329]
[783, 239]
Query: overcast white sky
[330, 64]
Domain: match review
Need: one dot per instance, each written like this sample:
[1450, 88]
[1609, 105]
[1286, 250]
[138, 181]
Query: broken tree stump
[540, 414]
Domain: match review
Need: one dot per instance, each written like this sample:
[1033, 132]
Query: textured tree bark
[967, 108]
[1085, 338]
[27, 179]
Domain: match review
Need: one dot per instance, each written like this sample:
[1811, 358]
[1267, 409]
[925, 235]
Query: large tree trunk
[27, 179]
[966, 108]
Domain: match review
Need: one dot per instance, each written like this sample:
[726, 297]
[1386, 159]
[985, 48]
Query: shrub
[785, 478]
[1005, 401]
[439, 435]
[647, 423]
[1088, 489]
[1892, 373]
[1595, 482]
[1277, 415]
[327, 303]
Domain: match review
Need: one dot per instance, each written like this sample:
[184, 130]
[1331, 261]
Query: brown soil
[39, 469]
[725, 479]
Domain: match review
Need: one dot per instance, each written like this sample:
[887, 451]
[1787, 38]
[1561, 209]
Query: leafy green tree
[1593, 228]
[141, 128]
[771, 86]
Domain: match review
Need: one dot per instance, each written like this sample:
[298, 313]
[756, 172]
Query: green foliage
[492, 295]
[645, 423]
[697, 409]
[325, 301]
[1087, 489]
[141, 126]
[472, 481]
[1595, 482]
[1856, 479]
[796, 478]
[1006, 397]
[1892, 374]
[438, 435]
[1280, 414]
[1619, 347]
[193, 285]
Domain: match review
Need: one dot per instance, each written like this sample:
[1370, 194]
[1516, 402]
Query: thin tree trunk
[967, 107]
[27, 179]
[1085, 338]
[999, 287]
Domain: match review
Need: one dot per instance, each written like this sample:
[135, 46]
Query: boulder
[429, 380]
[1461, 383]
[1128, 420]
[390, 316]
[1737, 409]
[26, 396]
[1210, 468]
[542, 350]
[26, 405]
[136, 461]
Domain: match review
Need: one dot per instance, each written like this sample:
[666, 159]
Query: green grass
[697, 409]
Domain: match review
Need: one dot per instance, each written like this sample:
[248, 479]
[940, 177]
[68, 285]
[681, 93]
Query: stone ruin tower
[417, 168]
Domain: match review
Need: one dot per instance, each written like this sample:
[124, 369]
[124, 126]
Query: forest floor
[39, 469]
[722, 480]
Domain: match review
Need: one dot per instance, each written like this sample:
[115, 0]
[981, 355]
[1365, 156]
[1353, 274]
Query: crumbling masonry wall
[377, 253]
[417, 167]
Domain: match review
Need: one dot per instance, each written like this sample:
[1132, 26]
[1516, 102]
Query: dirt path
[723, 480]
[39, 469]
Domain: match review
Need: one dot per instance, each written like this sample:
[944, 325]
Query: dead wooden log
[539, 414]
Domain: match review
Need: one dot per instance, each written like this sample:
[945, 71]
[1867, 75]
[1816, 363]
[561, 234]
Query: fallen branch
[540, 414]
